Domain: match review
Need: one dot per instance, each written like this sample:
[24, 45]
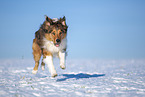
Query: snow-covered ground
[82, 78]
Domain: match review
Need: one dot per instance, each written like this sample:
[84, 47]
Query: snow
[81, 78]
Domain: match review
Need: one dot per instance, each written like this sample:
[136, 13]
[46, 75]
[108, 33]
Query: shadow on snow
[79, 76]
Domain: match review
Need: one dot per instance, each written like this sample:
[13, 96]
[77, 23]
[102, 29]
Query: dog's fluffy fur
[50, 41]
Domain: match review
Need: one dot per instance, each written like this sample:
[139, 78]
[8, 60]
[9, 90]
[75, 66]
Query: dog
[50, 41]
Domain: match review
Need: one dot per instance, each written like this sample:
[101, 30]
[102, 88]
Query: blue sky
[105, 29]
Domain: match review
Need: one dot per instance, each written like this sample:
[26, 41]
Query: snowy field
[82, 78]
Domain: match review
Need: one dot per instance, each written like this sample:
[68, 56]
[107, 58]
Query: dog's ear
[48, 20]
[62, 20]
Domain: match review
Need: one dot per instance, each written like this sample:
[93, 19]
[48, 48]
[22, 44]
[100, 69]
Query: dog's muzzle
[57, 44]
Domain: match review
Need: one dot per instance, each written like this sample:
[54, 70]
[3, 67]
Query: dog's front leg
[62, 56]
[49, 61]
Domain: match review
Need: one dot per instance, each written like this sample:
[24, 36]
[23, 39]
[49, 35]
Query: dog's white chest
[49, 45]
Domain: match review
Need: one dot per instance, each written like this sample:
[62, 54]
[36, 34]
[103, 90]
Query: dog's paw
[54, 75]
[62, 66]
[43, 68]
[34, 71]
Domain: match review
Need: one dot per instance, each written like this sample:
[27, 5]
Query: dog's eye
[60, 33]
[53, 33]
[50, 31]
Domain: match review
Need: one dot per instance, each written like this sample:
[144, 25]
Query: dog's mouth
[57, 44]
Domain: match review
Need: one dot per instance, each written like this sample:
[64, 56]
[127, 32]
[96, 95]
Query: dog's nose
[57, 40]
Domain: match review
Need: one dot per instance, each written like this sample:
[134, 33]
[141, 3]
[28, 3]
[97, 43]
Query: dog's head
[55, 30]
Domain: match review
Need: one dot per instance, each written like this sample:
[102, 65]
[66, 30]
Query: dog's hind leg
[36, 55]
[43, 65]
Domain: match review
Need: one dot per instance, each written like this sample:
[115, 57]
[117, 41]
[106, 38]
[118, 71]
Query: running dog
[50, 41]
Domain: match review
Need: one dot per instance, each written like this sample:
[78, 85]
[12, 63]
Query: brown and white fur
[50, 41]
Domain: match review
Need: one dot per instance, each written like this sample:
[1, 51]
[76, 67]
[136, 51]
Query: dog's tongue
[57, 45]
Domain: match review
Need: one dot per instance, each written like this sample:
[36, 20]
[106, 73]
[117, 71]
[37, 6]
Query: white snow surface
[81, 78]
